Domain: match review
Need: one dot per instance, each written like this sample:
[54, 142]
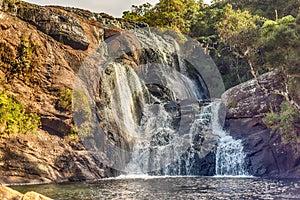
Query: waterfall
[230, 157]
[149, 104]
[161, 149]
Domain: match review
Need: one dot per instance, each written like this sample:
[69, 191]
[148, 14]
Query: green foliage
[65, 99]
[14, 119]
[21, 62]
[266, 8]
[238, 29]
[26, 64]
[205, 21]
[280, 45]
[284, 121]
[139, 13]
[167, 14]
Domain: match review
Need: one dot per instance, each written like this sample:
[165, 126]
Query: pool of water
[172, 188]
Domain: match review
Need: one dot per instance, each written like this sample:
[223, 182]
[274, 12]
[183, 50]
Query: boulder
[7, 193]
[246, 105]
[34, 196]
[248, 100]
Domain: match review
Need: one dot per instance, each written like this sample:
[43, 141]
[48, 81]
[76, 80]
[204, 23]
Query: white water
[230, 157]
[160, 148]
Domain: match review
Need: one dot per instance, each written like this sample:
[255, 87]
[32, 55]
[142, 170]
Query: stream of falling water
[160, 149]
[230, 157]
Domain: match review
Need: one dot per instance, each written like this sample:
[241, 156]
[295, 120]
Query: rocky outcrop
[247, 100]
[246, 106]
[45, 158]
[61, 25]
[7, 193]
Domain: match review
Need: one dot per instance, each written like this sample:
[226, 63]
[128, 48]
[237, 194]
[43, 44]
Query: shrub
[65, 99]
[285, 122]
[24, 63]
[14, 119]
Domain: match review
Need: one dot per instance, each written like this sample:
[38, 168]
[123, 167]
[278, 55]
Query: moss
[232, 104]
[21, 62]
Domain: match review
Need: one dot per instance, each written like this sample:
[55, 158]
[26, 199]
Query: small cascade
[230, 157]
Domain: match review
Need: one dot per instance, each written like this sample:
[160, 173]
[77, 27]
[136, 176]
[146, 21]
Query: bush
[285, 122]
[65, 99]
[14, 119]
[21, 62]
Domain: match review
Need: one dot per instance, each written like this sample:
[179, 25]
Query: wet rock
[267, 155]
[161, 138]
[160, 91]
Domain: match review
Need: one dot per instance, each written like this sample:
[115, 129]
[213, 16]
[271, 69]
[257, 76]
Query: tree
[139, 13]
[172, 14]
[273, 45]
[280, 47]
[266, 8]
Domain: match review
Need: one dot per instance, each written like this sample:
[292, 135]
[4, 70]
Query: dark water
[172, 188]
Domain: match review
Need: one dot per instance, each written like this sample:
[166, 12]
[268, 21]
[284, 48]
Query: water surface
[172, 188]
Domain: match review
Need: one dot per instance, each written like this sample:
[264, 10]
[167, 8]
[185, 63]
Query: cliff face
[64, 37]
[267, 155]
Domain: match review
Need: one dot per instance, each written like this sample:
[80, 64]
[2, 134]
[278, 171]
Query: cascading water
[230, 157]
[154, 117]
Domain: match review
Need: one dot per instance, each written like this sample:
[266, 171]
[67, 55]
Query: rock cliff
[246, 106]
[64, 37]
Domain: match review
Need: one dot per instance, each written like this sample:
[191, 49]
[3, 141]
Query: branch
[285, 93]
